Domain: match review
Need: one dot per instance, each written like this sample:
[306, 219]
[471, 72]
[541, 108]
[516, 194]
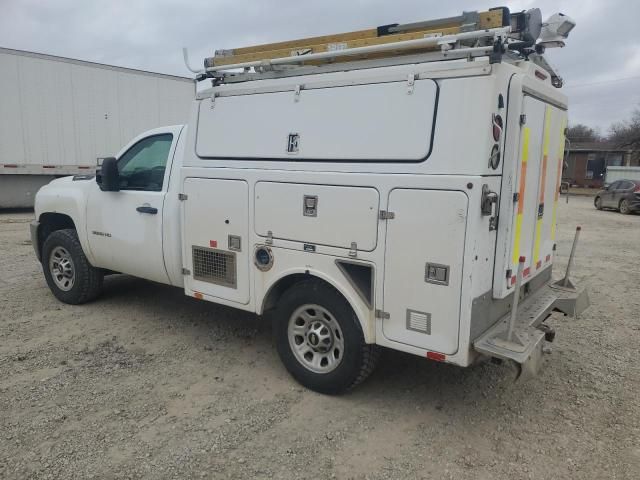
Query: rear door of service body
[536, 187]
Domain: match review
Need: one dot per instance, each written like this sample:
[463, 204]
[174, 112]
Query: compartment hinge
[269, 240]
[411, 82]
[386, 215]
[186, 271]
[182, 196]
[354, 250]
[523, 119]
[382, 314]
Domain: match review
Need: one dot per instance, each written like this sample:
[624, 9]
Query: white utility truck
[58, 115]
[394, 187]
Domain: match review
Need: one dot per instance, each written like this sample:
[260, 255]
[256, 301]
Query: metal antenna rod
[516, 298]
[565, 281]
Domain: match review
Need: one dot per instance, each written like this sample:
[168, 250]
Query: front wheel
[319, 339]
[598, 203]
[624, 207]
[70, 276]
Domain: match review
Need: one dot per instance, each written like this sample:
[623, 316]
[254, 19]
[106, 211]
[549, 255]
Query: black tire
[597, 202]
[87, 282]
[358, 359]
[624, 207]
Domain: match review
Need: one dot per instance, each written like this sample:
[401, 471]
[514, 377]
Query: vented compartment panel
[215, 266]
[419, 321]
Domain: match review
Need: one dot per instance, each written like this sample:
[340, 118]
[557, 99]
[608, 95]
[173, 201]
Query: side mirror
[108, 177]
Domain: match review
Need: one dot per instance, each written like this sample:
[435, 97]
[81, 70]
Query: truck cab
[406, 202]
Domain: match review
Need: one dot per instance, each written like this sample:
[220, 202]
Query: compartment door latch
[489, 206]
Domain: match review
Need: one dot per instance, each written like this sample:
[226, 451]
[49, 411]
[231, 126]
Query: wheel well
[49, 223]
[275, 292]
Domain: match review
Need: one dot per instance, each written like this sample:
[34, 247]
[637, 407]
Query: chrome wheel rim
[315, 338]
[624, 206]
[62, 269]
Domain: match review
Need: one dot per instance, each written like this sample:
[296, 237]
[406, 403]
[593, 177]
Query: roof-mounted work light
[556, 30]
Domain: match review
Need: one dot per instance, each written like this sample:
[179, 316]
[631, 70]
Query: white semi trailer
[58, 115]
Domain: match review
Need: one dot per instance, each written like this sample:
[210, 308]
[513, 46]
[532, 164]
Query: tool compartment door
[216, 238]
[423, 268]
[370, 122]
[537, 187]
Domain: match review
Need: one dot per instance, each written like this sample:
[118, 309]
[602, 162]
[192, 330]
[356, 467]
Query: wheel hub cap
[62, 269]
[315, 338]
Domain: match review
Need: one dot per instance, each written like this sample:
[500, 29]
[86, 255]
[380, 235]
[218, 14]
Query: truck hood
[59, 194]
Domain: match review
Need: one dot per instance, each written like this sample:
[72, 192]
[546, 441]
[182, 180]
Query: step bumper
[527, 340]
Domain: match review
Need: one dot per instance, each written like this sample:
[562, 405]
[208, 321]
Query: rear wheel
[598, 203]
[624, 207]
[70, 276]
[319, 339]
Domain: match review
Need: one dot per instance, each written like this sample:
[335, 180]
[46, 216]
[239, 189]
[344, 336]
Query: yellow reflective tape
[526, 134]
[563, 126]
[543, 180]
[516, 241]
[536, 247]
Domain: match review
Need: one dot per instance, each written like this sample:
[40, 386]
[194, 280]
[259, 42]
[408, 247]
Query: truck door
[536, 186]
[423, 268]
[125, 228]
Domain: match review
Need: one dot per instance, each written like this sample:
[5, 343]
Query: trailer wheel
[319, 339]
[70, 276]
[624, 207]
[598, 203]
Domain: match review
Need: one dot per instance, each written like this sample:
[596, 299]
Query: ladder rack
[492, 32]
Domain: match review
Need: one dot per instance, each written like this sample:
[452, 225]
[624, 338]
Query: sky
[600, 64]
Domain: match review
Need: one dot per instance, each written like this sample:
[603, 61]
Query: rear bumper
[34, 226]
[527, 340]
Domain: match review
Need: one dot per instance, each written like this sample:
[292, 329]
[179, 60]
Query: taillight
[497, 127]
[637, 189]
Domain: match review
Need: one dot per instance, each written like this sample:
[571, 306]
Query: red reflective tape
[10, 165]
[438, 357]
[547, 258]
[513, 280]
[84, 168]
[526, 272]
[213, 243]
[48, 166]
[539, 264]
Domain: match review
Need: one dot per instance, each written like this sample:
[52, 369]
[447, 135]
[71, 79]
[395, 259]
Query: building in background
[587, 162]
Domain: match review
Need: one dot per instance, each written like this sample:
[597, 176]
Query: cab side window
[142, 166]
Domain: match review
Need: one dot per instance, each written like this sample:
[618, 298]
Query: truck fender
[55, 200]
[278, 284]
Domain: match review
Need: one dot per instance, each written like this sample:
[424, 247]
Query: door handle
[147, 209]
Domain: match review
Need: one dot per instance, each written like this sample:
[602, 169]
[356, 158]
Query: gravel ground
[147, 383]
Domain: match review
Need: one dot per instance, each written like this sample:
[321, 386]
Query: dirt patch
[147, 383]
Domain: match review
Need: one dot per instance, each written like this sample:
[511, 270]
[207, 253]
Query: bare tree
[582, 133]
[626, 135]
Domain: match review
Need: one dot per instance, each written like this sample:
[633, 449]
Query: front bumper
[34, 226]
[527, 340]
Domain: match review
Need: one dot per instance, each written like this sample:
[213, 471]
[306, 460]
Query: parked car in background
[622, 195]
